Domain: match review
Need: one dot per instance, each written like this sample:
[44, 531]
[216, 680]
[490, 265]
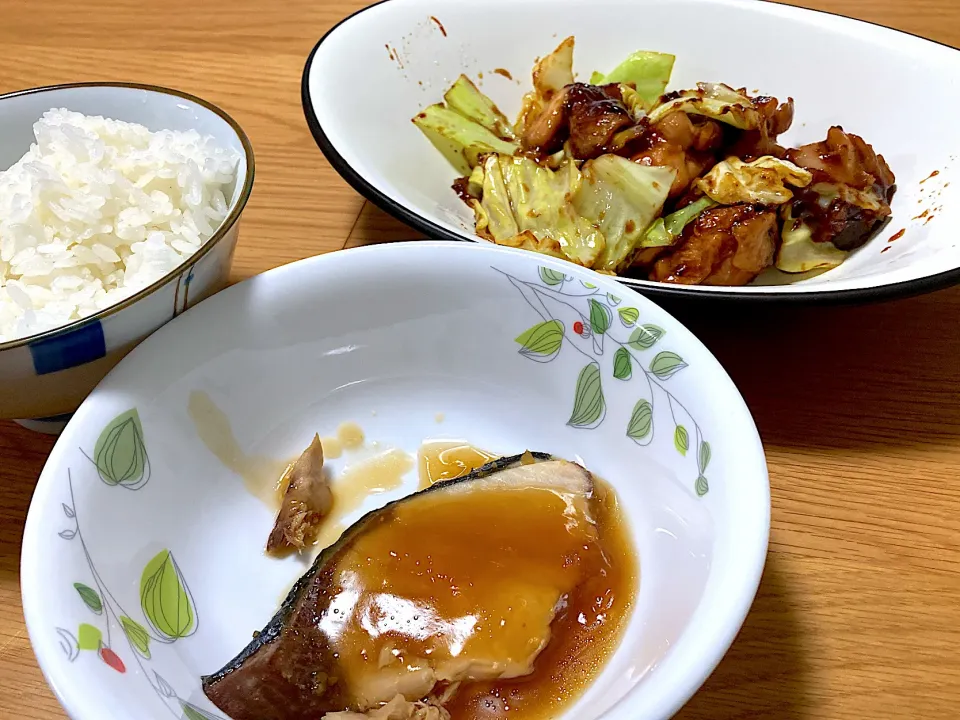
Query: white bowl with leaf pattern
[142, 564]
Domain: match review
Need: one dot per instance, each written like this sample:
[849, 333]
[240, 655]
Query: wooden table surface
[858, 614]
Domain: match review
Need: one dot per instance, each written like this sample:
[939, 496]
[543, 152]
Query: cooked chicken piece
[845, 159]
[595, 115]
[547, 131]
[851, 190]
[776, 119]
[838, 215]
[588, 115]
[724, 246]
[306, 501]
[683, 143]
[691, 132]
[645, 257]
[689, 165]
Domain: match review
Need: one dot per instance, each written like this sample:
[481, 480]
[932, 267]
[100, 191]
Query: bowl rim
[739, 588]
[225, 226]
[852, 296]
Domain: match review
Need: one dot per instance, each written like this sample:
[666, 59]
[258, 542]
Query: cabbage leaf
[554, 72]
[665, 231]
[621, 198]
[462, 141]
[594, 216]
[649, 73]
[799, 252]
[633, 102]
[763, 180]
[525, 205]
[465, 98]
[714, 100]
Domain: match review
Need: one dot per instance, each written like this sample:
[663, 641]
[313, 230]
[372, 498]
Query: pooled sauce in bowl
[584, 633]
[449, 459]
[514, 586]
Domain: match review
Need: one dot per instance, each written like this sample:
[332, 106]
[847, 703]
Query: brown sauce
[448, 459]
[504, 72]
[931, 175]
[461, 187]
[585, 634]
[332, 448]
[395, 56]
[450, 577]
[439, 25]
[264, 477]
[897, 235]
[356, 483]
[350, 435]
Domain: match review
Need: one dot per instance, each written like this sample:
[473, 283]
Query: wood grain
[858, 615]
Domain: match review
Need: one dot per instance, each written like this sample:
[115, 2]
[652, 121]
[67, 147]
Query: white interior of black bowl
[370, 75]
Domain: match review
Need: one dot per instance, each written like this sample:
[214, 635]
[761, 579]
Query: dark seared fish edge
[273, 629]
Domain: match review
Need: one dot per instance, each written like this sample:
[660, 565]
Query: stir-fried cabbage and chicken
[686, 187]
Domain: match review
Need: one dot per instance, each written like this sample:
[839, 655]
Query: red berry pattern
[112, 659]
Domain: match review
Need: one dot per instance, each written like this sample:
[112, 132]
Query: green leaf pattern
[600, 317]
[164, 598]
[90, 597]
[542, 341]
[628, 316]
[667, 364]
[641, 422]
[587, 314]
[702, 486]
[120, 453]
[551, 276]
[192, 712]
[645, 337]
[622, 366]
[89, 637]
[588, 402]
[137, 635]
[703, 456]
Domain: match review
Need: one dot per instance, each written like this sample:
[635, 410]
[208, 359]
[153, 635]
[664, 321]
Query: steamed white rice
[99, 209]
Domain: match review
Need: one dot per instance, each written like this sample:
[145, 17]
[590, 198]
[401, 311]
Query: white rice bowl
[99, 209]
